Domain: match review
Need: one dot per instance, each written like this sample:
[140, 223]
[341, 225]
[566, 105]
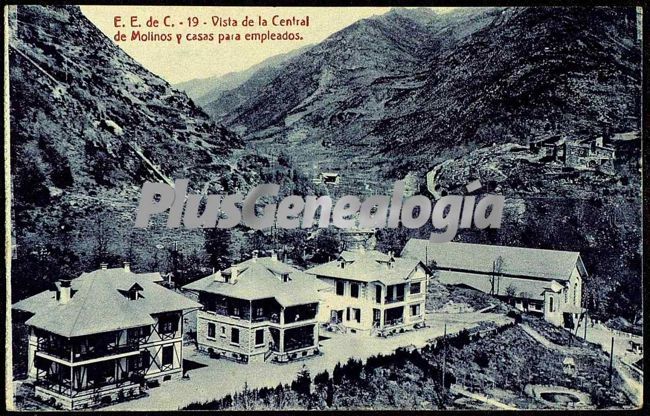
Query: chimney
[127, 266]
[103, 266]
[274, 255]
[255, 255]
[217, 276]
[64, 291]
[234, 273]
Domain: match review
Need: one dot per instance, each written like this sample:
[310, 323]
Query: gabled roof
[368, 266]
[522, 288]
[261, 278]
[517, 261]
[349, 255]
[98, 304]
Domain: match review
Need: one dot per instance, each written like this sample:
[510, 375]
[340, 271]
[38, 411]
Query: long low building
[546, 282]
[102, 336]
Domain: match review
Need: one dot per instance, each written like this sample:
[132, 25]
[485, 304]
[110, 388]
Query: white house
[372, 292]
[258, 310]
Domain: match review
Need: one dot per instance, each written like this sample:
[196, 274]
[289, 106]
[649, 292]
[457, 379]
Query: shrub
[515, 315]
[321, 378]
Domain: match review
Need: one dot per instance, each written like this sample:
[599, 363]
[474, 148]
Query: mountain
[89, 125]
[206, 90]
[403, 91]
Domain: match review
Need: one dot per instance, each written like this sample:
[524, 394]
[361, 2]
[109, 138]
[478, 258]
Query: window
[400, 292]
[354, 290]
[234, 336]
[168, 324]
[259, 312]
[377, 294]
[168, 355]
[415, 310]
[259, 337]
[138, 362]
[340, 288]
[415, 288]
[550, 304]
[235, 311]
[575, 294]
[223, 331]
[212, 329]
[139, 332]
[357, 314]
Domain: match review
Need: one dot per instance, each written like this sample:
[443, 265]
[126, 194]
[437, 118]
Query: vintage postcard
[323, 208]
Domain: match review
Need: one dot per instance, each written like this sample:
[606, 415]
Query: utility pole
[611, 362]
[444, 356]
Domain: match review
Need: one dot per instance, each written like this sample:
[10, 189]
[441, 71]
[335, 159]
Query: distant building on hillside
[372, 292]
[102, 336]
[551, 147]
[586, 154]
[258, 310]
[590, 153]
[328, 178]
[545, 282]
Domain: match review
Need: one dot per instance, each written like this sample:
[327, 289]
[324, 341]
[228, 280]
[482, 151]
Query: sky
[190, 60]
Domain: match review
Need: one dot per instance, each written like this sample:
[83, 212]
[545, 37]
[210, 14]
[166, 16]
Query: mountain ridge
[398, 89]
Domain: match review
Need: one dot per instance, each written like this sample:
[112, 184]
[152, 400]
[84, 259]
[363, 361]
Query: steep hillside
[407, 88]
[554, 207]
[88, 126]
[206, 90]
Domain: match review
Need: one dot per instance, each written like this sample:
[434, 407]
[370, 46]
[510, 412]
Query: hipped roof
[368, 266]
[261, 278]
[98, 304]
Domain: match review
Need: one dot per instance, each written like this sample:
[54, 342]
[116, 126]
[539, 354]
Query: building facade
[372, 292]
[103, 336]
[543, 282]
[258, 310]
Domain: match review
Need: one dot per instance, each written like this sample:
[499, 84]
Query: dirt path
[459, 390]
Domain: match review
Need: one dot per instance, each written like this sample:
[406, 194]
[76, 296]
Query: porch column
[281, 330]
[315, 336]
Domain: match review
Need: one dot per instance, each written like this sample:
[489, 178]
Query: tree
[325, 246]
[322, 378]
[217, 245]
[302, 383]
[392, 239]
